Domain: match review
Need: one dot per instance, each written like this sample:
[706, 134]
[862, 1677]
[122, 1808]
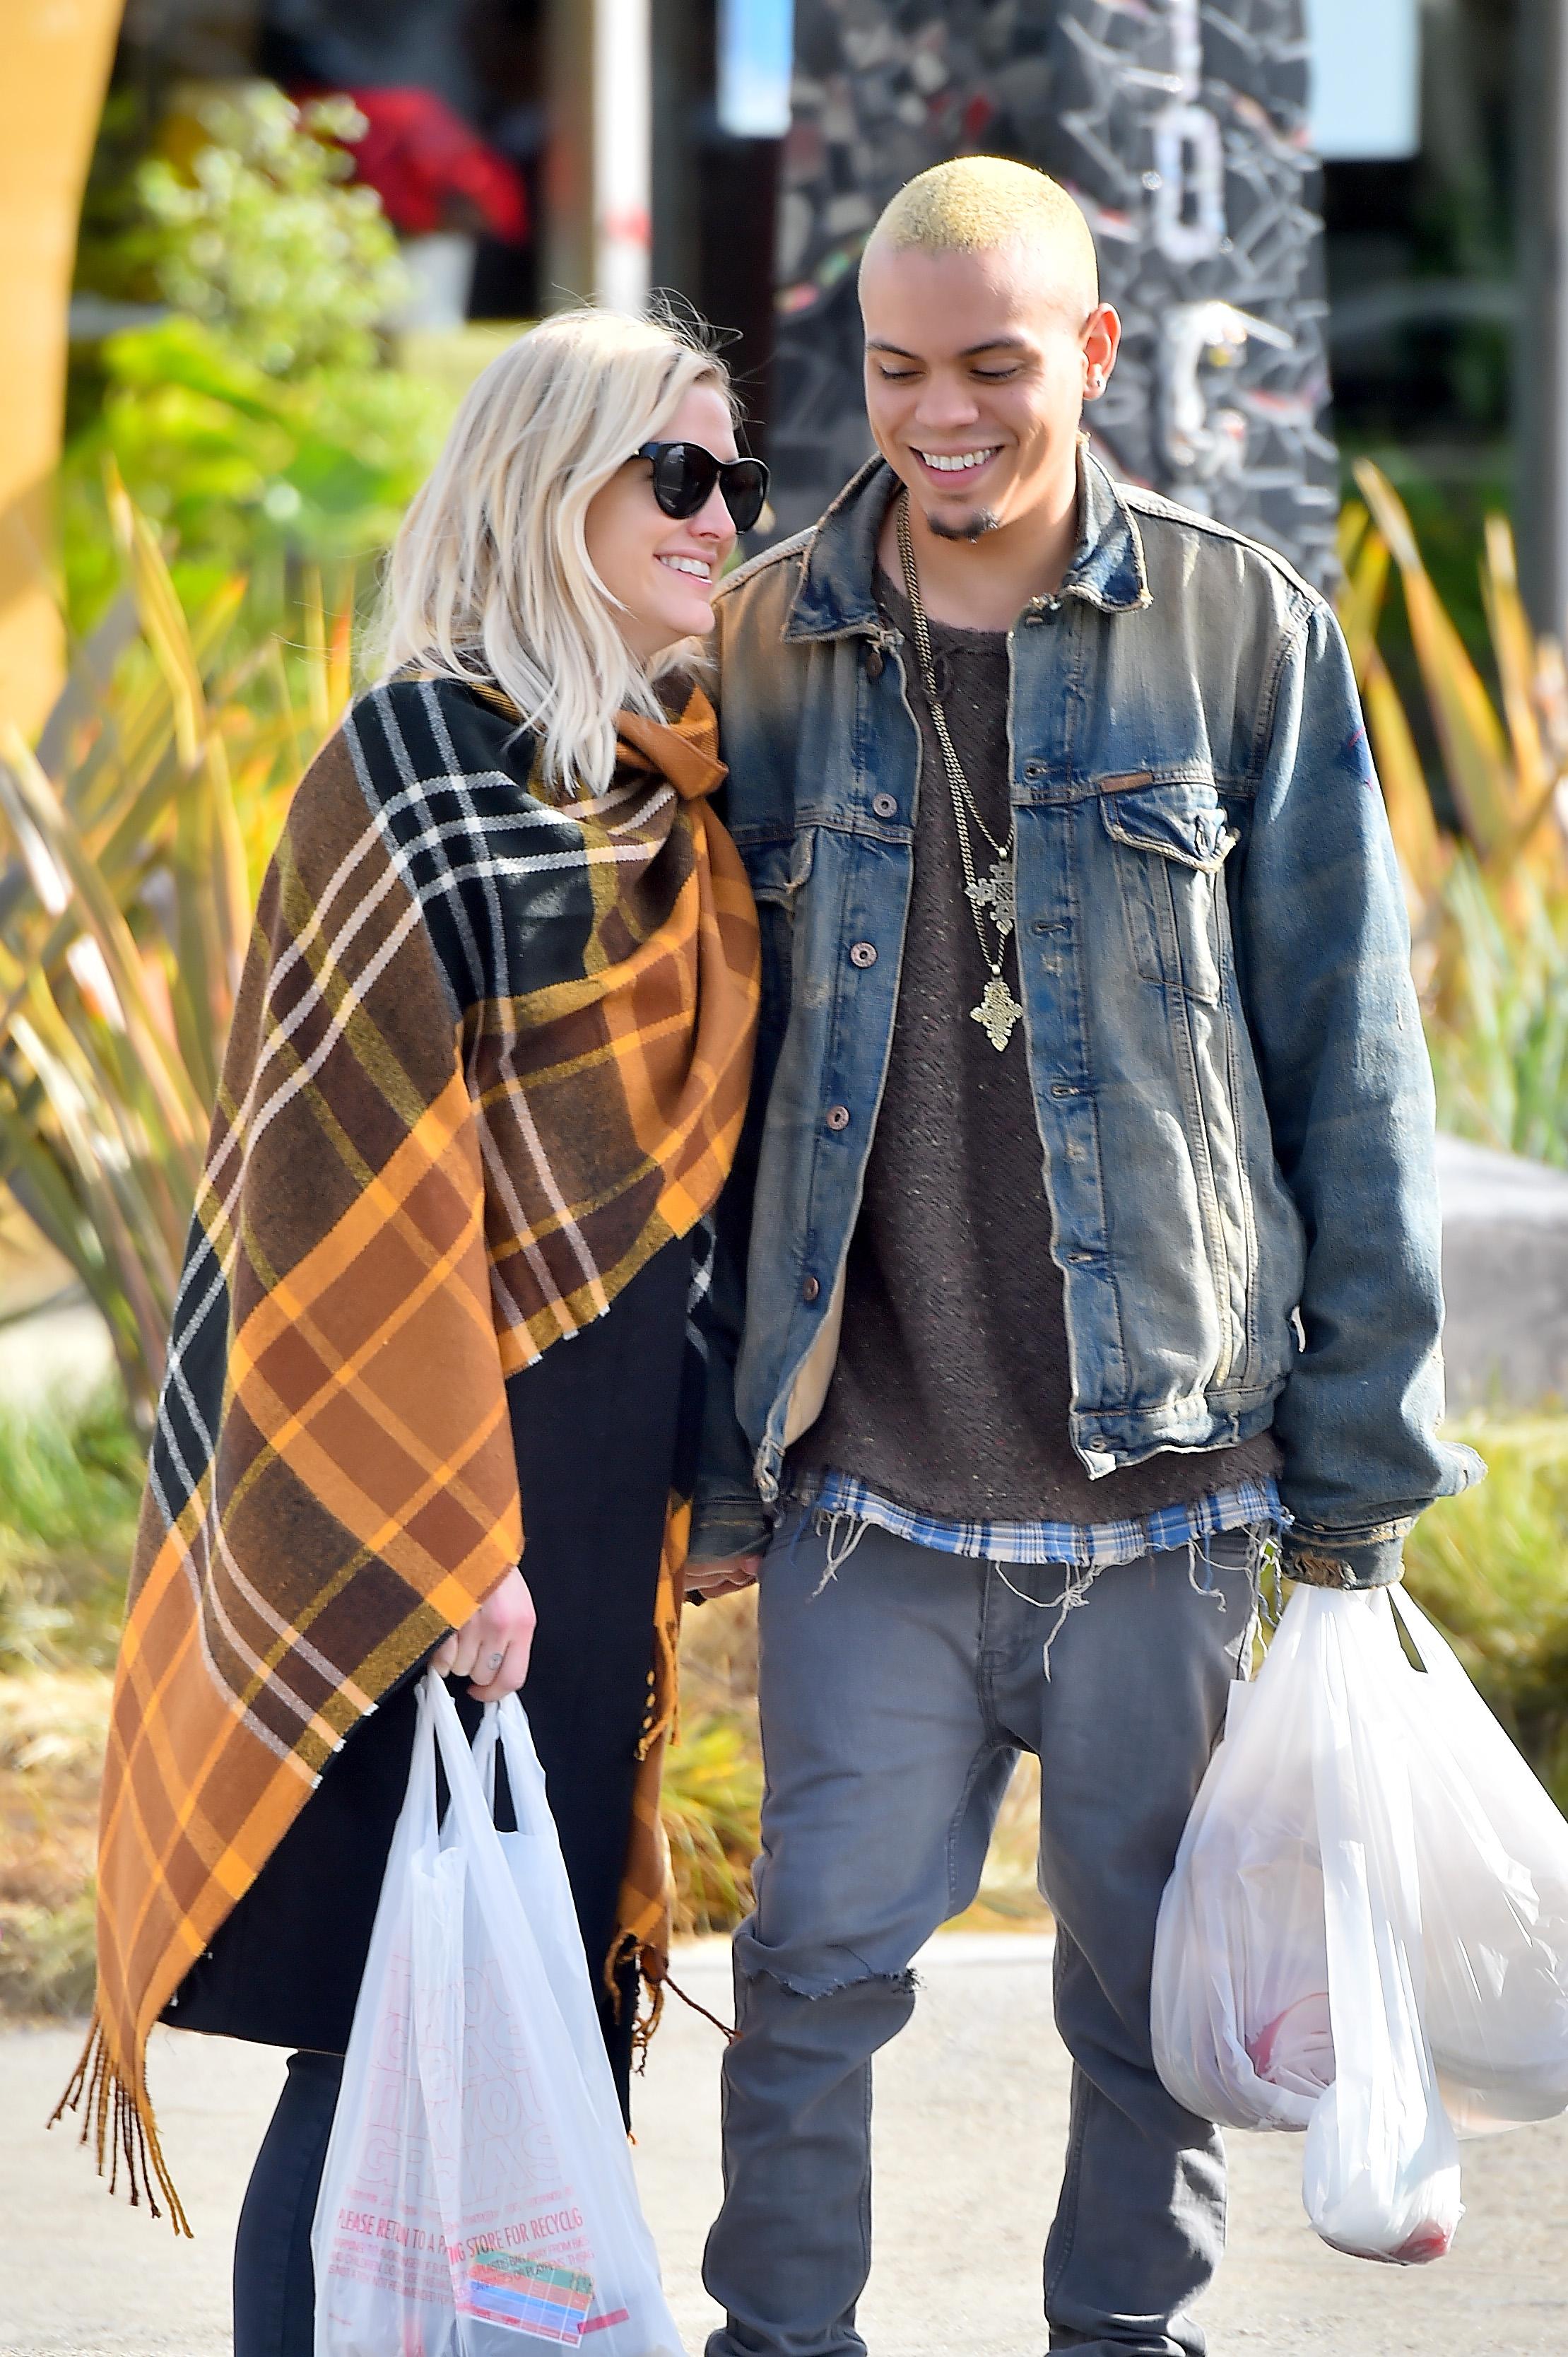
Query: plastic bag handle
[1438, 1658]
[471, 1813]
[420, 1800]
[483, 1749]
[524, 1775]
[483, 1755]
[504, 1729]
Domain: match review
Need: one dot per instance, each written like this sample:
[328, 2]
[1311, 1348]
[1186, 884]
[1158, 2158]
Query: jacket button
[885, 805]
[873, 660]
[810, 1289]
[863, 953]
[838, 1116]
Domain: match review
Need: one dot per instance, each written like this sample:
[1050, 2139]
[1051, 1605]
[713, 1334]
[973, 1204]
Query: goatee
[973, 527]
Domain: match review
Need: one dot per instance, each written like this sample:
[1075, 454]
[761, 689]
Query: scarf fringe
[119, 2121]
[642, 1936]
[725, 2030]
[653, 1965]
[663, 1719]
[653, 1968]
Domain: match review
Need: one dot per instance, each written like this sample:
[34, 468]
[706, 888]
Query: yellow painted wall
[55, 57]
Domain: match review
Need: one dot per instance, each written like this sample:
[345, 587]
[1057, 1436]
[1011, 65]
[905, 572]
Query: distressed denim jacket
[1232, 1086]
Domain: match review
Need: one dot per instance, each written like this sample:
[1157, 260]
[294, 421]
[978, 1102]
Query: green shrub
[712, 1804]
[1491, 1568]
[242, 471]
[70, 1481]
[260, 422]
[1499, 1036]
[262, 239]
[47, 1957]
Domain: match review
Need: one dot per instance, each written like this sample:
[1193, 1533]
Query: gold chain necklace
[993, 899]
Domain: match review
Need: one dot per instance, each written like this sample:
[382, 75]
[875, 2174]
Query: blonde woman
[486, 1076]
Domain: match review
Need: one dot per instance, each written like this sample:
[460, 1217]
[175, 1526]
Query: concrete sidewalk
[972, 2111]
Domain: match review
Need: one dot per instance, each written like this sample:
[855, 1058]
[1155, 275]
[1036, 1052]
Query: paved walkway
[972, 2107]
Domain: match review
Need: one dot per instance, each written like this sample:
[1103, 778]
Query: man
[1093, 1238]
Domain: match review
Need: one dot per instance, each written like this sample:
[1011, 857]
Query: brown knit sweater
[953, 1387]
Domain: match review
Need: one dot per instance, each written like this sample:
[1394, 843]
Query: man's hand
[726, 1578]
[494, 1644]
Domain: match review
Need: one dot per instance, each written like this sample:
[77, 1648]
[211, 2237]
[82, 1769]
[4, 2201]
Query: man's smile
[958, 462]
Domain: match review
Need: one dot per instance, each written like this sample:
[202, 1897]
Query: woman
[485, 1078]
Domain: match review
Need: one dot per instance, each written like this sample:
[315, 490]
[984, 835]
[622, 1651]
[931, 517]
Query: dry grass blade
[1490, 914]
[127, 867]
[1476, 751]
[1424, 855]
[100, 1161]
[1363, 585]
[214, 888]
[120, 1000]
[1349, 534]
[1513, 644]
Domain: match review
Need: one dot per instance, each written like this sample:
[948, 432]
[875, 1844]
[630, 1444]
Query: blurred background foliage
[1478, 823]
[254, 232]
[255, 410]
[136, 832]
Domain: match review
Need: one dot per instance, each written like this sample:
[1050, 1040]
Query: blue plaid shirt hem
[1247, 1505]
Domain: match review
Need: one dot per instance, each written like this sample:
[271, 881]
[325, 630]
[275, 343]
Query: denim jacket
[1230, 1079]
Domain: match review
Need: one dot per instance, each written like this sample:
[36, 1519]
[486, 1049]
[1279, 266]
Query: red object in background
[432, 172]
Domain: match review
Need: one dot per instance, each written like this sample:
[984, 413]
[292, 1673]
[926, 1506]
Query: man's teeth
[692, 564]
[960, 464]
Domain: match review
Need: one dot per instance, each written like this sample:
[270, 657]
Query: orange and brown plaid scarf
[491, 1051]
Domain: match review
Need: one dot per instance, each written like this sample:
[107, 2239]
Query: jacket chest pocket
[1172, 841]
[777, 871]
[778, 868]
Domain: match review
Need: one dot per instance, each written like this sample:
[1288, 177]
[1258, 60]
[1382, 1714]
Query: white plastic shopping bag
[477, 2196]
[383, 2287]
[1288, 1961]
[1492, 1853]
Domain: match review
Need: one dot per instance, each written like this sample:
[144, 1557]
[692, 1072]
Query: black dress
[603, 1426]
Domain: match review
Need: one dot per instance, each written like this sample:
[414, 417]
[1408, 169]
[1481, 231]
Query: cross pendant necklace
[996, 893]
[997, 1012]
[994, 898]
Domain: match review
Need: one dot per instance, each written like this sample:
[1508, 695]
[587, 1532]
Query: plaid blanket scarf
[491, 1051]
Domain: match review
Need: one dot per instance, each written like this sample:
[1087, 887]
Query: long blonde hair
[489, 577]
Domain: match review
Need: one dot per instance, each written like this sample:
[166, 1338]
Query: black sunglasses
[684, 475]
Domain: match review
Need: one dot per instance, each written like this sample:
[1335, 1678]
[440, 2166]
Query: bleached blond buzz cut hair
[977, 203]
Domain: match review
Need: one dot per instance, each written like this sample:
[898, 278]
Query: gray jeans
[895, 1698]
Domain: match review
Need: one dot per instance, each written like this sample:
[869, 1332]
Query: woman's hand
[494, 1644]
[737, 1571]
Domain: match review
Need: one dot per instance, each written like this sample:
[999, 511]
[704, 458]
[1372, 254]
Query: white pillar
[598, 178]
[623, 152]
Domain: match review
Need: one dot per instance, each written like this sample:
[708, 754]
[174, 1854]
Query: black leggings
[275, 2285]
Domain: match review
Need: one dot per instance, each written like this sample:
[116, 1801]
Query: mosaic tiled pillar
[1181, 129]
